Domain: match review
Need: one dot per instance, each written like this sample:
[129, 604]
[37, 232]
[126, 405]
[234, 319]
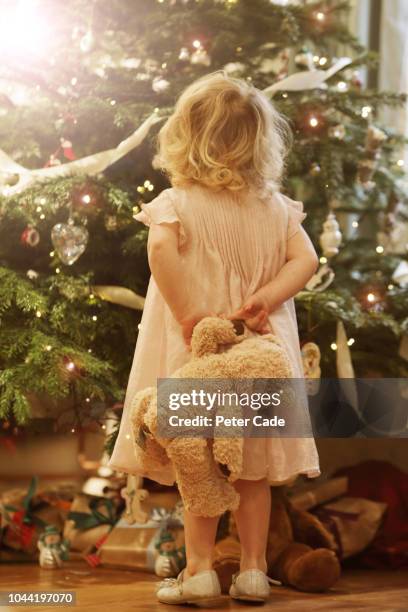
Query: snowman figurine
[53, 550]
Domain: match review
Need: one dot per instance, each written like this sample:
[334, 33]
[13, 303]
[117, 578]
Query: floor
[103, 588]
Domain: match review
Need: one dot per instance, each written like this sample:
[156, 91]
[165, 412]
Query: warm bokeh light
[25, 32]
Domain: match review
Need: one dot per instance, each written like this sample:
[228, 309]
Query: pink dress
[232, 246]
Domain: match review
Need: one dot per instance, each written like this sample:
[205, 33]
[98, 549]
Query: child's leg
[199, 533]
[252, 519]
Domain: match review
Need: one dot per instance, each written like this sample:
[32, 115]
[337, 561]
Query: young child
[223, 240]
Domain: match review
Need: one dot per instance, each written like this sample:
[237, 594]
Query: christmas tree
[79, 78]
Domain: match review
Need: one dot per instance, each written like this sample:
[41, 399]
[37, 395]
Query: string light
[70, 366]
[112, 102]
[73, 430]
[196, 44]
[86, 198]
[322, 61]
[313, 122]
[365, 111]
[401, 163]
[103, 426]
[42, 216]
[390, 287]
[94, 318]
[320, 16]
[74, 81]
[57, 270]
[350, 341]
[371, 297]
[38, 314]
[355, 224]
[323, 260]
[48, 347]
[333, 346]
[380, 249]
[342, 86]
[52, 253]
[88, 399]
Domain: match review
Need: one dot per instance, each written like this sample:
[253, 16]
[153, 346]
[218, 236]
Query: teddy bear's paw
[211, 500]
[210, 334]
[318, 570]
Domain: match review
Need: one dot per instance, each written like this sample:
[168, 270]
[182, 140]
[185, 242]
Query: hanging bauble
[66, 146]
[337, 132]
[87, 41]
[311, 367]
[30, 236]
[184, 54]
[304, 59]
[200, 57]
[111, 223]
[32, 274]
[315, 169]
[330, 239]
[322, 279]
[69, 241]
[356, 80]
[159, 85]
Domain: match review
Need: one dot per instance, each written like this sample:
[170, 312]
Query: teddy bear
[300, 550]
[206, 468]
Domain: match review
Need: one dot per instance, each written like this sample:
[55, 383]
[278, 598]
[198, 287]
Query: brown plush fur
[299, 551]
[217, 352]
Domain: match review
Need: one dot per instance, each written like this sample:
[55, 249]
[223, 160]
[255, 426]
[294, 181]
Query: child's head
[224, 133]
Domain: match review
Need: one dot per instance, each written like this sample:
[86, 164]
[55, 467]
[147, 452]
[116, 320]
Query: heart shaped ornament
[69, 241]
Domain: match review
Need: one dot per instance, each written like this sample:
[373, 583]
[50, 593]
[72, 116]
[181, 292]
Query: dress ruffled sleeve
[295, 215]
[161, 210]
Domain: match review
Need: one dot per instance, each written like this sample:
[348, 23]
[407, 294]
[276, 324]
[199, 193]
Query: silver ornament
[69, 241]
[331, 237]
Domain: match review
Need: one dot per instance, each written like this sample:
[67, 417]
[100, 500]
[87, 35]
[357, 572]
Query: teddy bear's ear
[211, 333]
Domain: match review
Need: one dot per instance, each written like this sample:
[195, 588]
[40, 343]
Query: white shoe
[250, 585]
[202, 589]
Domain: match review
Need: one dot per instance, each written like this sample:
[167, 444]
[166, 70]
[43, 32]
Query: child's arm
[301, 264]
[168, 272]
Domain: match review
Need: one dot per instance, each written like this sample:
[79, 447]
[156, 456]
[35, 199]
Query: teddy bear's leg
[203, 490]
[229, 452]
[307, 569]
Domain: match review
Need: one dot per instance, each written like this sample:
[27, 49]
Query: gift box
[155, 546]
[90, 519]
[352, 521]
[24, 514]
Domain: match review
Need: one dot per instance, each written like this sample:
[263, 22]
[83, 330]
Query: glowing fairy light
[333, 346]
[365, 111]
[320, 16]
[323, 260]
[323, 61]
[380, 249]
[371, 297]
[355, 224]
[401, 163]
[350, 341]
[313, 122]
[197, 44]
[86, 199]
[70, 366]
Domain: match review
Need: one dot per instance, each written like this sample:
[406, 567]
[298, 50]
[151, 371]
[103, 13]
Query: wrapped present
[156, 545]
[24, 514]
[89, 519]
[353, 522]
[314, 494]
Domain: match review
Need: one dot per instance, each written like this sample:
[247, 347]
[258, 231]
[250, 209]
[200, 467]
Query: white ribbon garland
[90, 165]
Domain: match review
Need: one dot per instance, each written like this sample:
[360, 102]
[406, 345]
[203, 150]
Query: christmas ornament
[304, 59]
[184, 54]
[311, 367]
[66, 146]
[331, 237]
[372, 153]
[133, 494]
[200, 57]
[321, 280]
[90, 165]
[171, 558]
[338, 132]
[111, 223]
[53, 549]
[356, 80]
[315, 169]
[159, 85]
[32, 274]
[400, 275]
[69, 241]
[30, 236]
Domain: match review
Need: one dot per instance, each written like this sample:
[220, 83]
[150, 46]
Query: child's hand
[255, 314]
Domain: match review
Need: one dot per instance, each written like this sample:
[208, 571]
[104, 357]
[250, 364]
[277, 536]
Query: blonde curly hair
[224, 133]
